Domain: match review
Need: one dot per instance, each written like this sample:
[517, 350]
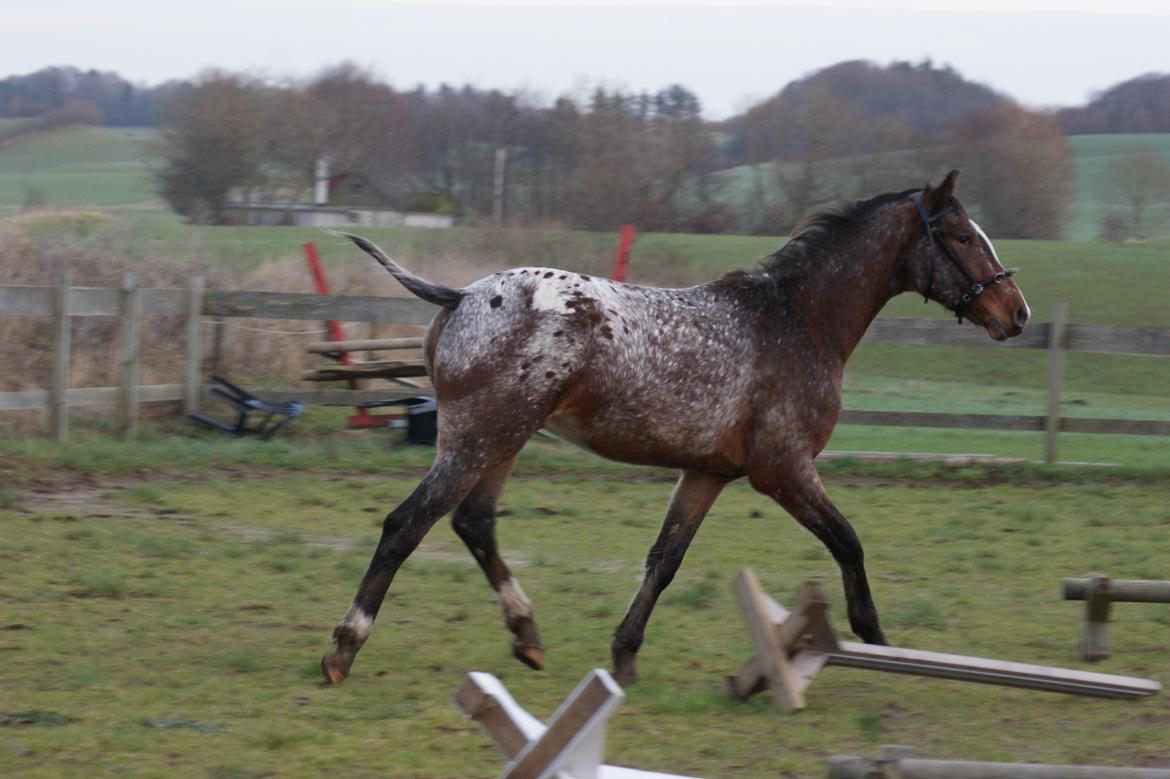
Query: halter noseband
[974, 288]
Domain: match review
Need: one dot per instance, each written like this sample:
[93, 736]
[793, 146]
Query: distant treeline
[111, 99]
[924, 97]
[852, 129]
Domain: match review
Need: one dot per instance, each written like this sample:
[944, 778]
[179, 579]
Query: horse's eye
[964, 239]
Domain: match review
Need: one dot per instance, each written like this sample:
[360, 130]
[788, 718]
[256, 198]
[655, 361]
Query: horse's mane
[816, 230]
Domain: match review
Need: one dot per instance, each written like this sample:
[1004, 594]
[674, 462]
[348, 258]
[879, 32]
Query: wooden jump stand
[895, 762]
[571, 746]
[1099, 592]
[793, 646]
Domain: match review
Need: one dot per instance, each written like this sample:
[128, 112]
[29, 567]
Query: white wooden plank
[977, 669]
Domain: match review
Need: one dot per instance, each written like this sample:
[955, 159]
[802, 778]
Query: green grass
[203, 662]
[1093, 199]
[78, 166]
[109, 168]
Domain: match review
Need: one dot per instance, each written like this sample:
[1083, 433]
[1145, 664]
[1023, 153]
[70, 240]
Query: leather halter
[974, 288]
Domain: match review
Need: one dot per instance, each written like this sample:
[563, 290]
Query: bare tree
[1019, 169]
[211, 144]
[1140, 181]
[818, 130]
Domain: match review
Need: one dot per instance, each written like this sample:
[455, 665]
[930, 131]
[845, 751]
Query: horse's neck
[839, 293]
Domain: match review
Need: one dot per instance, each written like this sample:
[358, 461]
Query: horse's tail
[427, 290]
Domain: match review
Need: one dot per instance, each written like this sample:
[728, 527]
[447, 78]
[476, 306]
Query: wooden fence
[62, 301]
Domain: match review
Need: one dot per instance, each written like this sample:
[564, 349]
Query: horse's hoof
[625, 672]
[531, 656]
[334, 670]
[625, 676]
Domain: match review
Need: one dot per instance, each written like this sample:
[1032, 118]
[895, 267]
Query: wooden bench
[395, 369]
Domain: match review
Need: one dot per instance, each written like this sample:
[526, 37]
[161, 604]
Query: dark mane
[817, 229]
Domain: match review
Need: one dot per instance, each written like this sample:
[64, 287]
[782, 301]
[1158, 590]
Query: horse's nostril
[1022, 315]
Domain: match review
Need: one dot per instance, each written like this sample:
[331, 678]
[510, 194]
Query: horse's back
[630, 372]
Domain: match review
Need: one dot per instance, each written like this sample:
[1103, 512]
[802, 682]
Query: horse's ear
[938, 198]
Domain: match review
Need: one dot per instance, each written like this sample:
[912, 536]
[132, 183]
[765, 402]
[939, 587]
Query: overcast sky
[1041, 52]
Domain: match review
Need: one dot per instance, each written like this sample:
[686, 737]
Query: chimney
[321, 187]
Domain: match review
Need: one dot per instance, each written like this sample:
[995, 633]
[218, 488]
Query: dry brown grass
[33, 246]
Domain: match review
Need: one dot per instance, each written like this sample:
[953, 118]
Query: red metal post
[362, 418]
[621, 263]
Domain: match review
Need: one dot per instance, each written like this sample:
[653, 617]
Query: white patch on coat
[987, 241]
[547, 297]
[513, 599]
[358, 621]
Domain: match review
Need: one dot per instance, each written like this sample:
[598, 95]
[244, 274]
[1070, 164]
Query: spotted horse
[737, 377]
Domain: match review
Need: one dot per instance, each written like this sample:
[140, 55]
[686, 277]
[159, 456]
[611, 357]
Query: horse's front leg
[803, 495]
[692, 498]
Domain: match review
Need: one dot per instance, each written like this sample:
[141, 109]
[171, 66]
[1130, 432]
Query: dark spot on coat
[565, 364]
[549, 375]
[563, 276]
[607, 331]
[523, 366]
[496, 301]
[558, 333]
[548, 275]
[537, 358]
[586, 278]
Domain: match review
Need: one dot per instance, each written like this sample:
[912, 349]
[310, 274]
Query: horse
[737, 377]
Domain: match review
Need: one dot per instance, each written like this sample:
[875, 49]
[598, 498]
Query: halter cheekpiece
[974, 288]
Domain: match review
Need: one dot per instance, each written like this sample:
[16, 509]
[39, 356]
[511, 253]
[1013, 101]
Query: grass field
[164, 608]
[78, 166]
[110, 168]
[163, 605]
[1094, 199]
[1103, 283]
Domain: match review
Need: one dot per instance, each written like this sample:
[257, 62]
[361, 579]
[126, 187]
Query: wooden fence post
[217, 346]
[192, 376]
[130, 309]
[1056, 332]
[59, 390]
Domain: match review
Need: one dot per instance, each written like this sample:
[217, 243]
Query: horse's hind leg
[692, 498]
[440, 491]
[475, 522]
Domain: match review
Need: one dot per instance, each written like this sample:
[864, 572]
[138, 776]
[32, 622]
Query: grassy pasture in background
[79, 166]
[110, 167]
[175, 622]
[1103, 283]
[1094, 197]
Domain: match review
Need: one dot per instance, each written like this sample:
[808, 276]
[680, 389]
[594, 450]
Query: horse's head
[955, 264]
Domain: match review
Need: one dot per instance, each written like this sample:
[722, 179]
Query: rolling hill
[109, 168]
[104, 167]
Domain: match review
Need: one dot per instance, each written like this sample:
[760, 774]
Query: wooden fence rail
[63, 301]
